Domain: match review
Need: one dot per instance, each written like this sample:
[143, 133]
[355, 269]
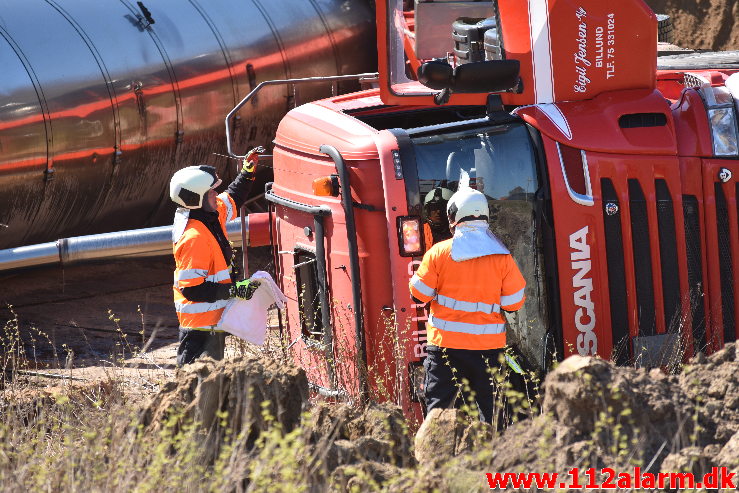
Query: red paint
[597, 144]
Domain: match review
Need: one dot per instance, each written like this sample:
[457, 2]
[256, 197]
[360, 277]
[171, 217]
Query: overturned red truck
[612, 182]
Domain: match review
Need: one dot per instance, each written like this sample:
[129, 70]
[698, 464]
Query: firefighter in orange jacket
[468, 279]
[436, 227]
[204, 279]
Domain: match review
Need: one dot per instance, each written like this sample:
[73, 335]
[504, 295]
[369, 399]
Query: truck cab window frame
[307, 291]
[501, 161]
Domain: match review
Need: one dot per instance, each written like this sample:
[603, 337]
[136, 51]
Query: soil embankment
[702, 24]
[594, 414]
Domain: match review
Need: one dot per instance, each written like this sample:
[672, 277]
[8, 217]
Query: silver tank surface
[102, 100]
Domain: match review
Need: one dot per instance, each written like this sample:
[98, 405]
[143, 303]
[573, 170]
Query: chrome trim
[304, 80]
[578, 198]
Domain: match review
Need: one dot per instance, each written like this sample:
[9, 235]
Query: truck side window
[306, 276]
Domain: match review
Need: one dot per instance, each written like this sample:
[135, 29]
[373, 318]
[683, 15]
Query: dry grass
[63, 434]
[70, 436]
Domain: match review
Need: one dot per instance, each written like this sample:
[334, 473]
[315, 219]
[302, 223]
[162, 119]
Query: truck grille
[691, 215]
[725, 263]
[641, 245]
[665, 232]
[668, 256]
[642, 258]
[616, 272]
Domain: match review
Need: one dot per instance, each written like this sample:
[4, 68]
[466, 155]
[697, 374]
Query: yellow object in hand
[251, 159]
[248, 166]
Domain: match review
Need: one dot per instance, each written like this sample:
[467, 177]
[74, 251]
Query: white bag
[247, 319]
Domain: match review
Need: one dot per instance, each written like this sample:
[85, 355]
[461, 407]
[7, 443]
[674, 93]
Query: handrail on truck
[305, 80]
[351, 237]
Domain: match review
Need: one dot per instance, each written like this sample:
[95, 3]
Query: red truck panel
[569, 50]
[297, 163]
[596, 125]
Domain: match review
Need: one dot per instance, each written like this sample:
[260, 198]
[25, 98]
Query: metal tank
[102, 100]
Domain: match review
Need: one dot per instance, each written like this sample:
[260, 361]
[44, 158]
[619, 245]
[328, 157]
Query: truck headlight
[722, 118]
[723, 131]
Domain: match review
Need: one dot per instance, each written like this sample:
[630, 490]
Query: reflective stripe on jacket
[199, 258]
[467, 297]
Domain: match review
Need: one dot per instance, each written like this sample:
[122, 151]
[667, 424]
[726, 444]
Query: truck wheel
[700, 61]
[664, 28]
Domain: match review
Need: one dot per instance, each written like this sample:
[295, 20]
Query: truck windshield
[499, 162]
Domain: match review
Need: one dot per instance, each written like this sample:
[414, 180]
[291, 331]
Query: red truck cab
[615, 193]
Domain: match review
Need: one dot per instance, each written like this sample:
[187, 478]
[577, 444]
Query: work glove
[251, 160]
[244, 289]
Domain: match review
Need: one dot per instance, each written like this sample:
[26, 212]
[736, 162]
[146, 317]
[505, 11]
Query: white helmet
[437, 194]
[467, 204]
[189, 185]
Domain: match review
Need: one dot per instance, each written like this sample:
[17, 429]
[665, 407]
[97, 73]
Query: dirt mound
[358, 446]
[446, 433]
[598, 415]
[375, 432]
[340, 444]
[603, 413]
[702, 24]
[250, 392]
[594, 414]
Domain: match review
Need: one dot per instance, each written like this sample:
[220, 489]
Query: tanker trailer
[101, 101]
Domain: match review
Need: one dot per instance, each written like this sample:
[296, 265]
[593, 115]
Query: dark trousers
[197, 343]
[444, 387]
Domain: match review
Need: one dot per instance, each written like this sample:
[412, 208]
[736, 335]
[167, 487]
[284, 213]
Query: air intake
[616, 272]
[691, 214]
[725, 261]
[692, 80]
[641, 120]
[642, 258]
[668, 256]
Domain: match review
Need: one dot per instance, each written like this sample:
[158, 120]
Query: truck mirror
[489, 76]
[476, 77]
[436, 74]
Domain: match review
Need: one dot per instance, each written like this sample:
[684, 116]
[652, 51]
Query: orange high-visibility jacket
[198, 258]
[428, 236]
[466, 297]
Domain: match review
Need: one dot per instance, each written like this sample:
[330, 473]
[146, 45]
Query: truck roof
[325, 123]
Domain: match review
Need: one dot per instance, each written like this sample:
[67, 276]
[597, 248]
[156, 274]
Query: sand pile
[598, 415]
[702, 24]
[594, 414]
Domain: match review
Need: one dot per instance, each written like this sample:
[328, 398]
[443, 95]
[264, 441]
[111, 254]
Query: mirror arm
[443, 96]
